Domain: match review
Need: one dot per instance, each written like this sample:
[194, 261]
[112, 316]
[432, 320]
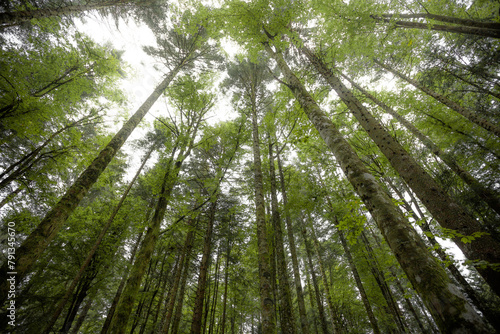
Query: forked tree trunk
[36, 243]
[445, 301]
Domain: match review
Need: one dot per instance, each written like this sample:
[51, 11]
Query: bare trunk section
[119, 291]
[119, 323]
[489, 196]
[333, 312]
[444, 300]
[467, 113]
[36, 243]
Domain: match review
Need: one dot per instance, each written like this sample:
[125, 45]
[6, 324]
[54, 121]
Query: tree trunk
[291, 240]
[202, 278]
[393, 306]
[467, 113]
[178, 311]
[8, 19]
[311, 301]
[226, 279]
[126, 303]
[460, 29]
[285, 299]
[333, 312]
[319, 302]
[489, 196]
[447, 19]
[359, 284]
[82, 316]
[94, 249]
[118, 294]
[445, 210]
[445, 302]
[36, 243]
[265, 284]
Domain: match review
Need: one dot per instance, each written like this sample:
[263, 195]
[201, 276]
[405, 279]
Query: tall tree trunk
[488, 195]
[333, 312]
[311, 300]
[94, 249]
[82, 316]
[291, 240]
[126, 303]
[36, 243]
[285, 299]
[444, 209]
[202, 278]
[460, 29]
[359, 284]
[444, 300]
[393, 306]
[215, 297]
[467, 113]
[119, 291]
[178, 310]
[226, 280]
[319, 302]
[447, 19]
[265, 285]
[8, 19]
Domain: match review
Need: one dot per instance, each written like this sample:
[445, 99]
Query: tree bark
[94, 249]
[82, 316]
[319, 302]
[444, 300]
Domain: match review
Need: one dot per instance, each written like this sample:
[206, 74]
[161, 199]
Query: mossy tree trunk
[450, 309]
[488, 195]
[285, 298]
[36, 243]
[293, 252]
[444, 209]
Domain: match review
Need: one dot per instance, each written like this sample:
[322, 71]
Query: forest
[297, 166]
